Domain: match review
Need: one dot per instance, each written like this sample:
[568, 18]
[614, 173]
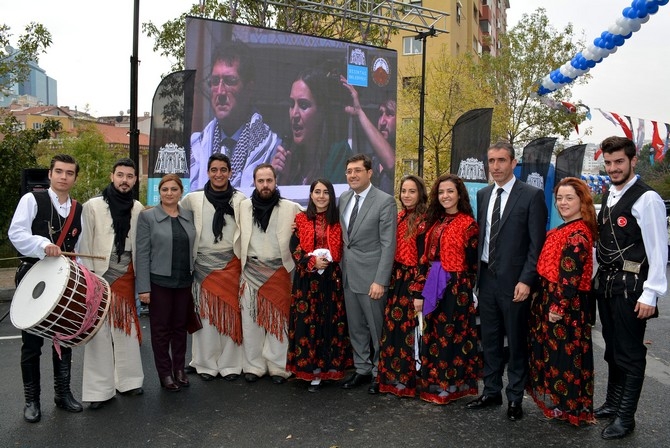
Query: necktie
[495, 228]
[352, 218]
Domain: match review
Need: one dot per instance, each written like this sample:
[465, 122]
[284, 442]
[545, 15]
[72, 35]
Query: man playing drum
[112, 357]
[47, 223]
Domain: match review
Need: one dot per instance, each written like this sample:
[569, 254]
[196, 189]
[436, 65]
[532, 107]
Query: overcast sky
[92, 45]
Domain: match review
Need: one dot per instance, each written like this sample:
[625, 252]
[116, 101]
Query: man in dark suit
[512, 219]
[368, 218]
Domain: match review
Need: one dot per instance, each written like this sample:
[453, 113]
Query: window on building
[409, 166]
[37, 125]
[410, 45]
[459, 12]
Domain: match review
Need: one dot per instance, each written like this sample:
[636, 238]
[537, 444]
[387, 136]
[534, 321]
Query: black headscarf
[223, 205]
[120, 207]
[262, 208]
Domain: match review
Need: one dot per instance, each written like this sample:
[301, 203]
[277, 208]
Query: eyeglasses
[351, 171]
[228, 81]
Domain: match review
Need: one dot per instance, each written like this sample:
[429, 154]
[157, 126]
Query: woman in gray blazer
[165, 238]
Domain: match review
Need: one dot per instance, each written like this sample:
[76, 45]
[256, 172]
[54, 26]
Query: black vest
[48, 223]
[620, 239]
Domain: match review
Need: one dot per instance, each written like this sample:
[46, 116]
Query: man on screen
[237, 130]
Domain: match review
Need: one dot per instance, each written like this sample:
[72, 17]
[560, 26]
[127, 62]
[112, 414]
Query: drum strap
[68, 223]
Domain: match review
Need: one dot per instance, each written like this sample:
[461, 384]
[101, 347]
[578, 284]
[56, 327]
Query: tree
[530, 51]
[17, 151]
[93, 154]
[454, 85]
[14, 64]
[169, 38]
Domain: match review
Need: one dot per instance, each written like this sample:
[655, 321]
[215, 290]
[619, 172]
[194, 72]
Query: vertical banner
[471, 138]
[171, 113]
[535, 167]
[301, 103]
[569, 163]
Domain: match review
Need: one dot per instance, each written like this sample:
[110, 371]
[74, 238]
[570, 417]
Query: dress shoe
[95, 405]
[232, 377]
[168, 384]
[133, 392]
[314, 387]
[356, 380]
[485, 401]
[514, 411]
[207, 377]
[276, 379]
[190, 370]
[373, 389]
[181, 378]
[32, 412]
[250, 377]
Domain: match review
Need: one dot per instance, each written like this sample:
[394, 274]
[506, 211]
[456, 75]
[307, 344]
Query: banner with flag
[536, 160]
[471, 138]
[639, 137]
[569, 163]
[169, 145]
[657, 143]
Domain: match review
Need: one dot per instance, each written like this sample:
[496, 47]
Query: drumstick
[72, 254]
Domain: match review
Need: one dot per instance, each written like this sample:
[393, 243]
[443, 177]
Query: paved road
[222, 414]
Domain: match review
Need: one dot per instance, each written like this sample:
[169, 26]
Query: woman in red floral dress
[319, 347]
[450, 362]
[560, 348]
[397, 360]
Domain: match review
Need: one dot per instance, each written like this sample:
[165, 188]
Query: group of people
[320, 102]
[283, 291]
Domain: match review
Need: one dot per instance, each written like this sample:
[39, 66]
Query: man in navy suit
[512, 219]
[369, 219]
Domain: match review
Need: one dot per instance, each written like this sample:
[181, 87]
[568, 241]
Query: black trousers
[501, 317]
[624, 334]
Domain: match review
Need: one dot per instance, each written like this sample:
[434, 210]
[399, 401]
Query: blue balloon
[554, 76]
[609, 44]
[543, 91]
[662, 2]
[605, 34]
[627, 10]
[652, 8]
[618, 40]
[631, 14]
[599, 42]
[591, 64]
[627, 36]
[639, 4]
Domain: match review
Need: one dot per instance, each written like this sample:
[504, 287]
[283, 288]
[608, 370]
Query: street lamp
[422, 36]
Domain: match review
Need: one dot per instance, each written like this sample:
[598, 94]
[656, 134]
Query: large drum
[59, 300]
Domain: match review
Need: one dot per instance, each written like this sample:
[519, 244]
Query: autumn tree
[454, 85]
[94, 155]
[530, 51]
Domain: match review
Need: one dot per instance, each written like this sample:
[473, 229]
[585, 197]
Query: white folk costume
[267, 265]
[112, 358]
[217, 347]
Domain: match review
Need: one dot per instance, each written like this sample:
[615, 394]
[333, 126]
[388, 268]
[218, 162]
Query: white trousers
[112, 362]
[263, 352]
[215, 353]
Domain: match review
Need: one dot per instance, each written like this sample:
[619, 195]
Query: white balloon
[635, 25]
[645, 19]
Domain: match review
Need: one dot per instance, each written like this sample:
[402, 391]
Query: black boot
[30, 372]
[62, 395]
[624, 422]
[614, 391]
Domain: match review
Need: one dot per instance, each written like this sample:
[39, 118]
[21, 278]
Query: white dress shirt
[20, 230]
[352, 202]
[507, 189]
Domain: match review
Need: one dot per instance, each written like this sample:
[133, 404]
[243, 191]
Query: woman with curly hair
[560, 347]
[450, 362]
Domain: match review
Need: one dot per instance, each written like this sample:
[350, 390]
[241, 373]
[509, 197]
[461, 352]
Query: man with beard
[237, 130]
[217, 347]
[266, 222]
[112, 358]
[45, 224]
[630, 279]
